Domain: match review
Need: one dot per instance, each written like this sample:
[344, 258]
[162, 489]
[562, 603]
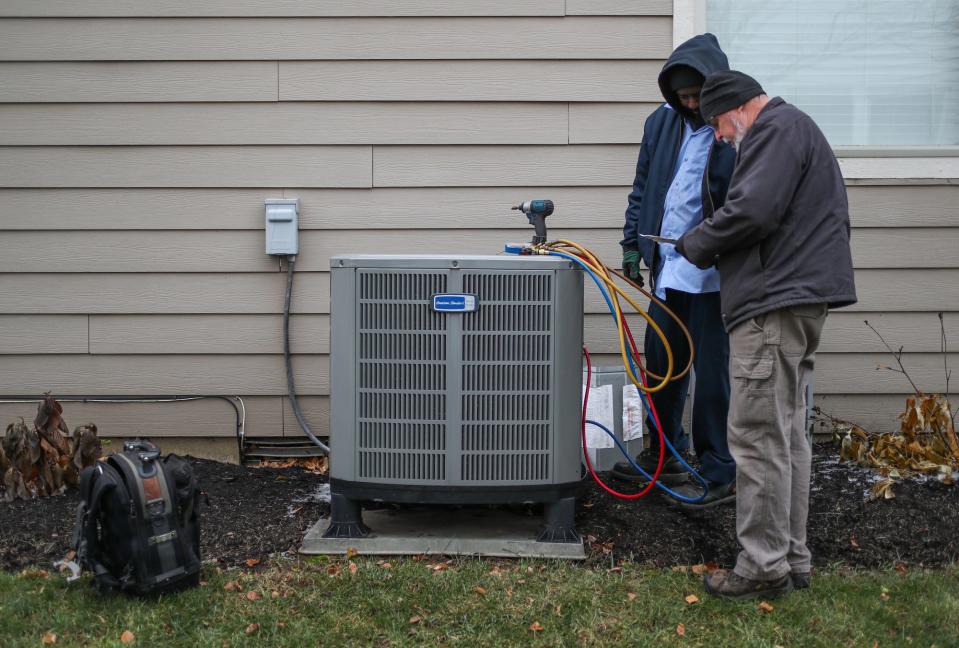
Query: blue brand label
[454, 303]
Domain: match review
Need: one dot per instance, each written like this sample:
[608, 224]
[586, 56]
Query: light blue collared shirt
[684, 210]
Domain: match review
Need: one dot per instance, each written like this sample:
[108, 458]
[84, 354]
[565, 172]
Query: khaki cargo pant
[771, 359]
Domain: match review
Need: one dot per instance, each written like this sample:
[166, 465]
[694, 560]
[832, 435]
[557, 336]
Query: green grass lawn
[367, 601]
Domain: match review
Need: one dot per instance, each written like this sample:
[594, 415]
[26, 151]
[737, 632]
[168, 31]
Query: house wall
[138, 141]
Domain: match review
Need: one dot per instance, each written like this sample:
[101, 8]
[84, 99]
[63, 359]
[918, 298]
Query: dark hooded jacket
[662, 138]
[782, 239]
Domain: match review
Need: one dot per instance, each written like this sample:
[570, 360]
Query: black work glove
[631, 266]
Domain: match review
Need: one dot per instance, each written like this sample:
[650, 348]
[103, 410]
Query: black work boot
[718, 494]
[672, 473]
[728, 584]
[801, 580]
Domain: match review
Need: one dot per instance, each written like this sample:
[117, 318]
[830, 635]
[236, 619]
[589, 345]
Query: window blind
[875, 73]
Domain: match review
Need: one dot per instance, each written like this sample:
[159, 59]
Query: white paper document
[632, 413]
[599, 409]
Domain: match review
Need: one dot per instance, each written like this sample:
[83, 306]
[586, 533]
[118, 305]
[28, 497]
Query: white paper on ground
[599, 409]
[632, 413]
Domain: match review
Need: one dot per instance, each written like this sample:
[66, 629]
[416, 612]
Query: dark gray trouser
[771, 362]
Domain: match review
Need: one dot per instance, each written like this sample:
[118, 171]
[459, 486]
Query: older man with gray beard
[781, 243]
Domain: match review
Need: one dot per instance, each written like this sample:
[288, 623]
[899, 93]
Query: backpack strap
[96, 482]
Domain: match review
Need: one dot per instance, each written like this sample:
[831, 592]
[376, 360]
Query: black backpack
[138, 526]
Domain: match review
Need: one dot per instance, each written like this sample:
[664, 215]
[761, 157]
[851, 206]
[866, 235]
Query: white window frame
[859, 164]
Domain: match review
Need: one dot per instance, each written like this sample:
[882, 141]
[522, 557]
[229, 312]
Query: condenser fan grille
[506, 378]
[401, 354]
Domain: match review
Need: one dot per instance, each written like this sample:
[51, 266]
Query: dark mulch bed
[255, 512]
[919, 526]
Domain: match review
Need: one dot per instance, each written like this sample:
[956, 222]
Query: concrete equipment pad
[431, 530]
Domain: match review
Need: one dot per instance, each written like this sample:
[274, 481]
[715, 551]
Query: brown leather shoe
[801, 580]
[728, 584]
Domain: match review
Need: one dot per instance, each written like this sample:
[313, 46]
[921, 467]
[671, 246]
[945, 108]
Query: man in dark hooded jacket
[681, 177]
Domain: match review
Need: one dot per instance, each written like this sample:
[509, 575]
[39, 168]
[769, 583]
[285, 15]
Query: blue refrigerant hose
[643, 398]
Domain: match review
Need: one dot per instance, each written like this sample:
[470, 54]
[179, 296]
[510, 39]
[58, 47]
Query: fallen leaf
[692, 599]
[35, 573]
[558, 610]
[614, 570]
[536, 626]
[387, 565]
[711, 566]
[281, 624]
[681, 630]
[902, 569]
[699, 569]
[253, 595]
[883, 596]
[233, 586]
[351, 551]
[479, 589]
[680, 568]
[48, 638]
[415, 619]
[127, 637]
[631, 596]
[440, 567]
[854, 543]
[252, 628]
[764, 606]
[353, 567]
[252, 562]
[333, 570]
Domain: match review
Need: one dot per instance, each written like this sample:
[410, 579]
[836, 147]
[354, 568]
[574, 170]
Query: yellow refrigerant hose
[604, 273]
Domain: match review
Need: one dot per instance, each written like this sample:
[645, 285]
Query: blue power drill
[536, 212]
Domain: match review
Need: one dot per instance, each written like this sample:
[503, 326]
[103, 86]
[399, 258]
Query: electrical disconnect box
[282, 224]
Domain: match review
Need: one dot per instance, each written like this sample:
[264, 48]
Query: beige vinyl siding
[256, 39]
[199, 418]
[98, 82]
[242, 251]
[235, 8]
[390, 208]
[286, 123]
[193, 166]
[250, 334]
[483, 80]
[138, 141]
[879, 291]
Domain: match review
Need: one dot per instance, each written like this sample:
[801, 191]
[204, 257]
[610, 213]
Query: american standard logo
[454, 303]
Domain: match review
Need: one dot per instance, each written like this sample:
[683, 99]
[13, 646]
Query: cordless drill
[536, 212]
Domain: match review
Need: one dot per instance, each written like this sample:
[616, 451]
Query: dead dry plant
[926, 442]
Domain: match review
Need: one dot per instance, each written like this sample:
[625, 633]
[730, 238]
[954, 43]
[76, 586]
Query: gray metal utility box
[455, 379]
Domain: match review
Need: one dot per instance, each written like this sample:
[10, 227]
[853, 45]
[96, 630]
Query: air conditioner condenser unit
[455, 380]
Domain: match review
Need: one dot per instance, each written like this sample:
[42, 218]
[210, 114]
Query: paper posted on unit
[601, 408]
